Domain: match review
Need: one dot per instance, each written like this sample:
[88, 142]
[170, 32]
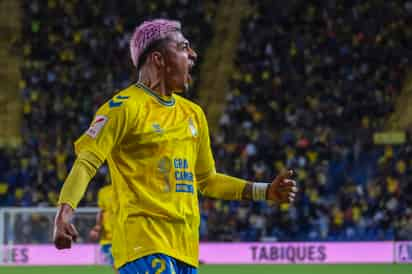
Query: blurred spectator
[315, 80]
[75, 57]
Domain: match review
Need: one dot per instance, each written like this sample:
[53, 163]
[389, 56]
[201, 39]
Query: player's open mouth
[189, 70]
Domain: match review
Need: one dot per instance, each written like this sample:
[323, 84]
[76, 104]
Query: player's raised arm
[108, 128]
[282, 189]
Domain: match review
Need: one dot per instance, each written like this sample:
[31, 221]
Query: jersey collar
[161, 100]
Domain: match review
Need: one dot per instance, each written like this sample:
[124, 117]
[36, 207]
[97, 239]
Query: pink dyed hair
[148, 32]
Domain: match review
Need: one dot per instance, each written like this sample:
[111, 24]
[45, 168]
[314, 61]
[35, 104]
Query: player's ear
[157, 59]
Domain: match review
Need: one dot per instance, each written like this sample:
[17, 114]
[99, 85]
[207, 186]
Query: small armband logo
[96, 126]
[118, 102]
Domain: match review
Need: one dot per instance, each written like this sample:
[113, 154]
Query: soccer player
[103, 227]
[158, 151]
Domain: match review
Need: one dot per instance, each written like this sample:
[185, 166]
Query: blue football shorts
[107, 253]
[157, 264]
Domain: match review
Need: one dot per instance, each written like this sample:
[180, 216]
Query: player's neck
[154, 84]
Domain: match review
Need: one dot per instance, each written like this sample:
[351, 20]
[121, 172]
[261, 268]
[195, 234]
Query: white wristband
[259, 191]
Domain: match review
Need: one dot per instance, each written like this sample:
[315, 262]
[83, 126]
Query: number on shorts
[161, 264]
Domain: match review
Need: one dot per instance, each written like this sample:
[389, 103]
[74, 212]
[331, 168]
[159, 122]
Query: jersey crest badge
[192, 128]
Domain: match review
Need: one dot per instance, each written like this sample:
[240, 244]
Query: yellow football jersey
[155, 148]
[104, 202]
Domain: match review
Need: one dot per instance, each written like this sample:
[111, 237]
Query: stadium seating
[314, 82]
[76, 56]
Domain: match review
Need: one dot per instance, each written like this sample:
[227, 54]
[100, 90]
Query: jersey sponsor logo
[117, 101]
[184, 188]
[181, 163]
[97, 126]
[183, 175]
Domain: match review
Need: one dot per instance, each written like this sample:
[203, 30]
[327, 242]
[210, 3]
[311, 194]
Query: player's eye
[185, 45]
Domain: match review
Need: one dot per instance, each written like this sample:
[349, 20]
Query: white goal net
[33, 226]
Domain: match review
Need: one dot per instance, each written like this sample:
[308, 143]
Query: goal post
[21, 226]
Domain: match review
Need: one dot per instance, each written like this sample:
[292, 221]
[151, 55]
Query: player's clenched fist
[94, 233]
[64, 232]
[282, 189]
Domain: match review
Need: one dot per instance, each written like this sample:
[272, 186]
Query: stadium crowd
[76, 55]
[314, 82]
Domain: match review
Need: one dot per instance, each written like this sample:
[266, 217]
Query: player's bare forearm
[247, 191]
[99, 221]
[64, 232]
[99, 218]
[94, 233]
[65, 213]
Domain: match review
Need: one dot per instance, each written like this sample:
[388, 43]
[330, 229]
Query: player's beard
[188, 83]
[185, 86]
[183, 79]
